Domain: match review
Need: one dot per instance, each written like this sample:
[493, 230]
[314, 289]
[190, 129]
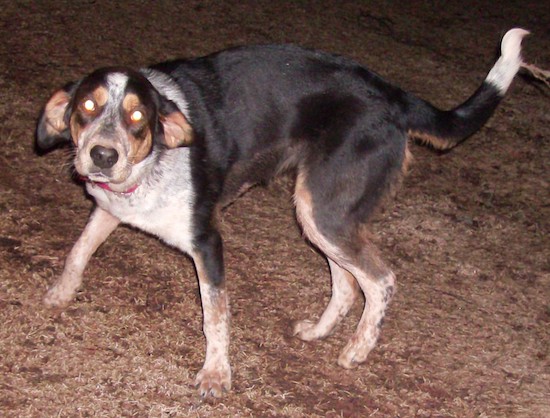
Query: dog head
[115, 118]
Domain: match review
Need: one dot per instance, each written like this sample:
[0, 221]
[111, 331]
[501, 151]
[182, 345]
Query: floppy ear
[52, 126]
[177, 131]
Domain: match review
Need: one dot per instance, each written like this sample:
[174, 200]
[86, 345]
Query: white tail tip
[505, 69]
[510, 46]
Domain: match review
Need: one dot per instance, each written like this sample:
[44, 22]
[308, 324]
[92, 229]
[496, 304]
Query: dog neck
[105, 186]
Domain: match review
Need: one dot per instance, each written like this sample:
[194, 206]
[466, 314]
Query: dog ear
[177, 130]
[52, 128]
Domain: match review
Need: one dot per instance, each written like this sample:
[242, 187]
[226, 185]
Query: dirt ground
[468, 333]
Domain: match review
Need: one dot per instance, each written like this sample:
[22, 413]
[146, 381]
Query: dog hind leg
[354, 256]
[378, 285]
[344, 293]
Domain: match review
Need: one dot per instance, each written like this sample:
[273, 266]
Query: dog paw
[352, 356]
[305, 330]
[58, 297]
[214, 382]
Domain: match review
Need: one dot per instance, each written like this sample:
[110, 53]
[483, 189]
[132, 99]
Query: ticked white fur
[162, 203]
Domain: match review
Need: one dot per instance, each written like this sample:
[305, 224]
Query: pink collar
[105, 186]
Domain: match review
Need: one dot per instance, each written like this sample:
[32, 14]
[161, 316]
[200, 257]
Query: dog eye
[136, 116]
[89, 105]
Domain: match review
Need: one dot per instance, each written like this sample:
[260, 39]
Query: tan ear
[52, 128]
[55, 111]
[177, 131]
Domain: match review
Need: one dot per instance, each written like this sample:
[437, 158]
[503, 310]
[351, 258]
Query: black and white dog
[165, 147]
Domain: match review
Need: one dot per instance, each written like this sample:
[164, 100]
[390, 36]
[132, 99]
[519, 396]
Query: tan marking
[94, 101]
[434, 141]
[76, 129]
[177, 131]
[140, 148]
[90, 106]
[100, 96]
[304, 213]
[369, 254]
[407, 161]
[54, 112]
[130, 103]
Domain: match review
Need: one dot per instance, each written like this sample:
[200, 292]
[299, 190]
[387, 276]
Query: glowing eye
[89, 105]
[136, 116]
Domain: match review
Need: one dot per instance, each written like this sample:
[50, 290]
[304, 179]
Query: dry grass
[468, 332]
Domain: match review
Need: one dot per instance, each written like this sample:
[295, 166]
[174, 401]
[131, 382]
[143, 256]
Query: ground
[468, 333]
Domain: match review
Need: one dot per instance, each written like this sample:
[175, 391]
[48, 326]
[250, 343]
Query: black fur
[255, 112]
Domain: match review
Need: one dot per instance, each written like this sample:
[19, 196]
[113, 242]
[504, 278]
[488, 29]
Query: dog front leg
[215, 376]
[99, 227]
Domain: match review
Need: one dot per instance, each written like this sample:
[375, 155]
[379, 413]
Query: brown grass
[468, 333]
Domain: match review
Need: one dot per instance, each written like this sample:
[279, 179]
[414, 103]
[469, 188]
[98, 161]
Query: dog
[165, 148]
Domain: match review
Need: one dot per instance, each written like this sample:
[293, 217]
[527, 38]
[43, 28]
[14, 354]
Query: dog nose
[104, 157]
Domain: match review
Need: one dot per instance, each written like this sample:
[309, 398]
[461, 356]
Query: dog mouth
[86, 170]
[96, 178]
[104, 183]
[114, 177]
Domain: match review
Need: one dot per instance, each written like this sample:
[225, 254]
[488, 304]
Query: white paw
[306, 330]
[215, 381]
[58, 296]
[352, 356]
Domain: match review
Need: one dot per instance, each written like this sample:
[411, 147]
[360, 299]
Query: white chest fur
[162, 204]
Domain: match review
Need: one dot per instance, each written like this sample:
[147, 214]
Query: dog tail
[445, 129]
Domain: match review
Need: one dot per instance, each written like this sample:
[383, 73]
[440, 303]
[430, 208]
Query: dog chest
[168, 217]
